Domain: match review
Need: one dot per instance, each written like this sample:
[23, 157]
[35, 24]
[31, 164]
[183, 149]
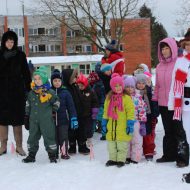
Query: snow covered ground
[79, 173]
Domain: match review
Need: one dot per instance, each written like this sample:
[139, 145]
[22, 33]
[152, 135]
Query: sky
[164, 10]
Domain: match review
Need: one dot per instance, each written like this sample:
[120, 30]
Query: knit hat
[144, 66]
[129, 81]
[106, 67]
[83, 80]
[141, 78]
[93, 78]
[42, 72]
[111, 46]
[55, 75]
[116, 79]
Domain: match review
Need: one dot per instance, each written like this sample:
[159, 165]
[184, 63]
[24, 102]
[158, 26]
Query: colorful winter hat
[106, 67]
[144, 67]
[93, 78]
[111, 46]
[83, 80]
[129, 81]
[42, 72]
[116, 79]
[141, 78]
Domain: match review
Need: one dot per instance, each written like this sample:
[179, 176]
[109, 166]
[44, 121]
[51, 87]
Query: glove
[130, 127]
[104, 126]
[74, 123]
[142, 130]
[26, 122]
[94, 113]
[155, 110]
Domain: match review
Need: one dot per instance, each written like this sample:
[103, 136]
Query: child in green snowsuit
[41, 102]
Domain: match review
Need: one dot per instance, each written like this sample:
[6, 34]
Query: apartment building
[45, 36]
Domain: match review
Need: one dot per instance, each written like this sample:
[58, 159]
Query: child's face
[38, 80]
[9, 44]
[166, 52]
[118, 89]
[130, 89]
[141, 85]
[81, 86]
[57, 83]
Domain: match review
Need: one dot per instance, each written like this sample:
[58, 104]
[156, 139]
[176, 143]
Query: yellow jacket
[116, 129]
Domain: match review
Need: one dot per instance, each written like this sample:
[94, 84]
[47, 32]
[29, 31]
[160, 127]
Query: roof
[65, 59]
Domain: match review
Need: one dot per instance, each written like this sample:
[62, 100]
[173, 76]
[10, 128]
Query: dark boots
[30, 158]
[3, 139]
[186, 178]
[83, 149]
[52, 157]
[72, 148]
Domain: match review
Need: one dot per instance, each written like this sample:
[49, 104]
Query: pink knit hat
[116, 79]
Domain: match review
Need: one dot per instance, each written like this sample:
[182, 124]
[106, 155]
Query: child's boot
[52, 157]
[72, 148]
[83, 149]
[30, 158]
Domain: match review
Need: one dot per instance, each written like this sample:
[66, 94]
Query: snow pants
[135, 145]
[175, 146]
[117, 150]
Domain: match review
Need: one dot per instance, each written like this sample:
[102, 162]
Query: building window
[78, 49]
[41, 31]
[85, 69]
[88, 49]
[88, 69]
[57, 48]
[42, 47]
[69, 34]
[52, 48]
[70, 49]
[82, 69]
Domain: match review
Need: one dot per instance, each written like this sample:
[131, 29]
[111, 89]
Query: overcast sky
[164, 10]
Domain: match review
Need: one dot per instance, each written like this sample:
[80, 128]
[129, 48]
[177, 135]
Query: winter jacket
[140, 107]
[15, 82]
[89, 100]
[66, 109]
[67, 74]
[117, 61]
[116, 129]
[164, 73]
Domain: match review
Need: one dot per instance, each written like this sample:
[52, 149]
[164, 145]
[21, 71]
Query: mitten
[155, 109]
[142, 128]
[104, 126]
[26, 122]
[74, 123]
[94, 113]
[154, 122]
[130, 127]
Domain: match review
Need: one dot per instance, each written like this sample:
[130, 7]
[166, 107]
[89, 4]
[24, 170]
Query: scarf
[8, 54]
[145, 97]
[115, 104]
[42, 91]
[178, 89]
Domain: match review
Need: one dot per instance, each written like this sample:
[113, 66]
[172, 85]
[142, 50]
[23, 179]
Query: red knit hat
[116, 79]
[83, 80]
[93, 78]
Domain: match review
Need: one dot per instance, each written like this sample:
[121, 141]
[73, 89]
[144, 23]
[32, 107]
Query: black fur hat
[56, 75]
[9, 35]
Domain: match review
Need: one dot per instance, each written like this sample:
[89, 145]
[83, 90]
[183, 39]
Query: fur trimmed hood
[9, 35]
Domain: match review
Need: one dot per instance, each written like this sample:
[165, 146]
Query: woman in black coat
[15, 82]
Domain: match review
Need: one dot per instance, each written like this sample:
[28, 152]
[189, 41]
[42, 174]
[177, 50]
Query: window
[78, 49]
[57, 48]
[21, 32]
[88, 69]
[42, 47]
[30, 31]
[82, 68]
[41, 31]
[52, 48]
[69, 33]
[77, 33]
[70, 49]
[88, 49]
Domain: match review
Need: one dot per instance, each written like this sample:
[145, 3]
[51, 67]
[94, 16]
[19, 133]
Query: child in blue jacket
[65, 116]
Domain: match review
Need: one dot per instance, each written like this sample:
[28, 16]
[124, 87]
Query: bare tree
[92, 17]
[184, 16]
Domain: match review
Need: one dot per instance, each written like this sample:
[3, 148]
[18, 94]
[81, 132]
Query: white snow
[79, 173]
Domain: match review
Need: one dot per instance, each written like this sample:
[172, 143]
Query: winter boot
[186, 178]
[120, 164]
[111, 163]
[52, 157]
[18, 138]
[30, 158]
[163, 159]
[103, 138]
[83, 149]
[72, 148]
[3, 139]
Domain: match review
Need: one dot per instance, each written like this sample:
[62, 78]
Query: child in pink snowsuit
[135, 145]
